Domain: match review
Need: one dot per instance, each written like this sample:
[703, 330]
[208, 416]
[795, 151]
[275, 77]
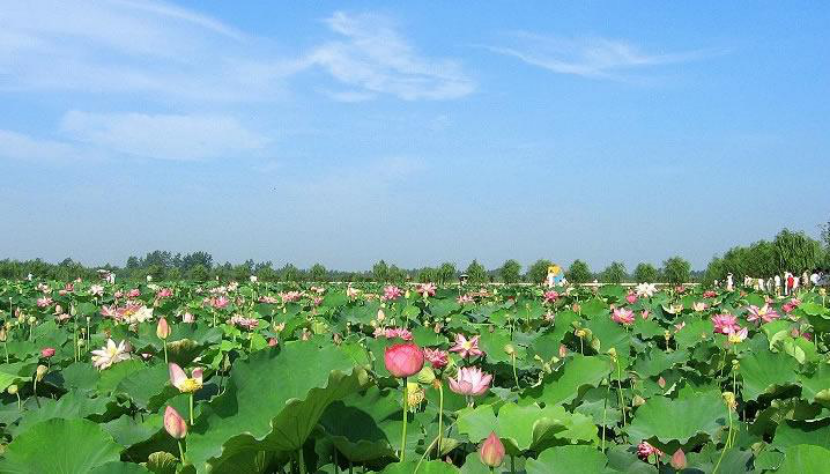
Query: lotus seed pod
[12, 389]
[426, 376]
[41, 372]
[509, 349]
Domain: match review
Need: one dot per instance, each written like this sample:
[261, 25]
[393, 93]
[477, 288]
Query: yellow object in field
[554, 270]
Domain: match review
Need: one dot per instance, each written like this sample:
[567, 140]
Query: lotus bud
[404, 360]
[678, 460]
[426, 376]
[563, 351]
[32, 320]
[174, 424]
[12, 389]
[491, 451]
[58, 309]
[81, 343]
[41, 372]
[381, 315]
[510, 350]
[47, 352]
[163, 329]
[730, 400]
[3, 335]
[661, 382]
[638, 401]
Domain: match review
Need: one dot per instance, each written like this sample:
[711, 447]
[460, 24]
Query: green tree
[511, 271]
[318, 273]
[645, 273]
[446, 273]
[614, 273]
[199, 273]
[538, 271]
[428, 275]
[579, 272]
[476, 273]
[677, 270]
[796, 252]
[380, 272]
[290, 273]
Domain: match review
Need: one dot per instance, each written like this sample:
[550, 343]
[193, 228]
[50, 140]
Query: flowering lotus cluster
[391, 292]
[110, 354]
[467, 347]
[765, 314]
[393, 333]
[623, 316]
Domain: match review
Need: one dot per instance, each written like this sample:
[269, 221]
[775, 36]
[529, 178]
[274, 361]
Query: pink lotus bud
[631, 298]
[492, 451]
[661, 382]
[163, 329]
[174, 424]
[563, 351]
[678, 460]
[47, 352]
[273, 342]
[404, 360]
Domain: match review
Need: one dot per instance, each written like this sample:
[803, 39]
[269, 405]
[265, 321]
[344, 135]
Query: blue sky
[418, 132]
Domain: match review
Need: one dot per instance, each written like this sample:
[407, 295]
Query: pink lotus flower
[491, 452]
[426, 289]
[623, 316]
[164, 293]
[163, 329]
[699, 306]
[789, 306]
[551, 296]
[436, 357]
[736, 335]
[47, 352]
[134, 293]
[352, 293]
[180, 380]
[765, 313]
[392, 333]
[678, 460]
[404, 360]
[245, 323]
[645, 449]
[678, 327]
[290, 296]
[724, 323]
[391, 292]
[96, 290]
[268, 299]
[272, 342]
[631, 298]
[465, 299]
[710, 294]
[188, 318]
[174, 424]
[644, 314]
[466, 347]
[470, 381]
[44, 302]
[220, 302]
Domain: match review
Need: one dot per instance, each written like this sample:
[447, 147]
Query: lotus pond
[264, 378]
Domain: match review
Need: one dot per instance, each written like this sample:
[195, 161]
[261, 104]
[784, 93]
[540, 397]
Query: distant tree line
[788, 251]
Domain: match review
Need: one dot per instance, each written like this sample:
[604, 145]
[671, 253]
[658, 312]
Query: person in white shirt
[814, 278]
[730, 285]
[777, 285]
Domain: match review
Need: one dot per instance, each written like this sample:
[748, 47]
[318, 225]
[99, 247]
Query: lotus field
[268, 378]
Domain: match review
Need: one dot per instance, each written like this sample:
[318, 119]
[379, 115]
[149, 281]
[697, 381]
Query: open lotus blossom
[623, 316]
[551, 296]
[709, 294]
[393, 333]
[699, 306]
[134, 293]
[220, 302]
[404, 360]
[44, 302]
[188, 318]
[465, 299]
[110, 354]
[436, 357]
[391, 292]
[181, 381]
[491, 452]
[724, 323]
[631, 297]
[673, 308]
[645, 449]
[131, 313]
[470, 381]
[466, 347]
[765, 314]
[789, 306]
[245, 323]
[646, 290]
[174, 424]
[352, 293]
[426, 289]
[96, 290]
[736, 335]
[164, 293]
[290, 296]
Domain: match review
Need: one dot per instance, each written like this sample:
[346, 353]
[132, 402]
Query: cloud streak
[595, 58]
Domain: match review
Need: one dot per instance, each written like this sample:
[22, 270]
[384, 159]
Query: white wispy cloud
[374, 57]
[598, 58]
[23, 147]
[166, 137]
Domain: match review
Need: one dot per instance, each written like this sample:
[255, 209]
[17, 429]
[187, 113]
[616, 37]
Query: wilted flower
[646, 290]
[623, 316]
[466, 347]
[470, 381]
[245, 323]
[174, 424]
[765, 313]
[110, 354]
[414, 394]
[645, 449]
[724, 323]
[404, 360]
[181, 381]
[491, 452]
[436, 357]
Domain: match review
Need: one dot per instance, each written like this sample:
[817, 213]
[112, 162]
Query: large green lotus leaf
[764, 370]
[272, 402]
[364, 427]
[427, 467]
[473, 465]
[493, 344]
[127, 432]
[624, 460]
[80, 376]
[803, 459]
[610, 335]
[112, 376]
[119, 467]
[568, 460]
[792, 433]
[816, 387]
[595, 308]
[565, 384]
[148, 387]
[71, 405]
[658, 360]
[59, 446]
[15, 373]
[680, 419]
[694, 332]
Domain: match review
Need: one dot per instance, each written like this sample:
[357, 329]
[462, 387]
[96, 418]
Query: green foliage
[614, 273]
[677, 270]
[476, 273]
[510, 272]
[538, 271]
[645, 273]
[579, 272]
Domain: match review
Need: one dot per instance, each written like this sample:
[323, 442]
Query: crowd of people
[786, 284]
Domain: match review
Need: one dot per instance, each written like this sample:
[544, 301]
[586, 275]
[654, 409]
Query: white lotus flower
[646, 290]
[138, 316]
[111, 354]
